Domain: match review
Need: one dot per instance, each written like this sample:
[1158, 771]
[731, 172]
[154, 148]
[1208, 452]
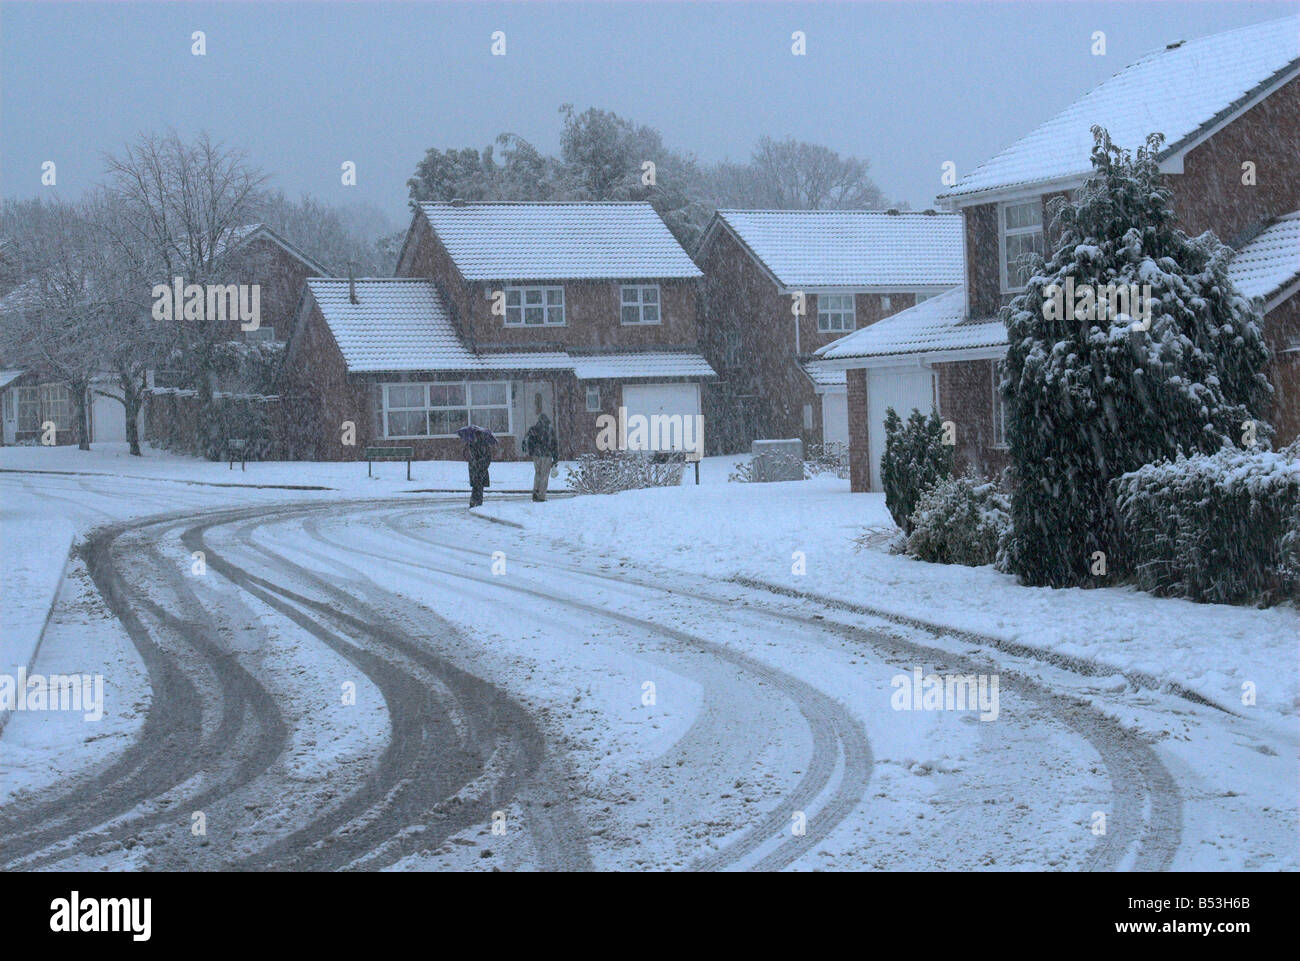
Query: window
[835, 313]
[640, 304]
[885, 302]
[28, 400]
[260, 333]
[439, 410]
[534, 306]
[999, 408]
[1022, 236]
[56, 405]
[593, 399]
[731, 349]
[921, 297]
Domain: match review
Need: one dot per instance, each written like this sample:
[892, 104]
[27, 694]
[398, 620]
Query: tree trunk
[131, 396]
[81, 393]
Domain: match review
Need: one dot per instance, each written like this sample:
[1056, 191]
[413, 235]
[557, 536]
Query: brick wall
[966, 399]
[859, 446]
[1209, 194]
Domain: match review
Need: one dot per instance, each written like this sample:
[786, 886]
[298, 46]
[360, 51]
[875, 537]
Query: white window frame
[593, 408]
[1004, 232]
[824, 326]
[733, 348]
[999, 409]
[34, 403]
[56, 405]
[467, 407]
[519, 310]
[640, 304]
[886, 302]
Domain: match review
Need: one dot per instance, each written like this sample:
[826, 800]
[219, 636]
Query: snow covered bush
[960, 520]
[609, 473]
[1221, 528]
[915, 459]
[829, 458]
[1094, 392]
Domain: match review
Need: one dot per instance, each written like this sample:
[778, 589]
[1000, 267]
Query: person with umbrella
[479, 442]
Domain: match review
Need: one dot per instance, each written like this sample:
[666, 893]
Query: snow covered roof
[1178, 91]
[932, 325]
[823, 377]
[852, 248]
[7, 377]
[1270, 261]
[1261, 268]
[402, 325]
[640, 364]
[558, 241]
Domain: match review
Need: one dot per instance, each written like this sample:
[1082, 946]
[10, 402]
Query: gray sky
[305, 86]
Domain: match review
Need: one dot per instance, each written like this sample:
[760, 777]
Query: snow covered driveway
[399, 684]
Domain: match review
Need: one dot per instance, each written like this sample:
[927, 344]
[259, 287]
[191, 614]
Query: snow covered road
[398, 684]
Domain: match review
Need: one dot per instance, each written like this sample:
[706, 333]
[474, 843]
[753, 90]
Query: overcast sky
[305, 86]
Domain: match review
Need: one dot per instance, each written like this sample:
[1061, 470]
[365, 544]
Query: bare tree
[53, 320]
[181, 209]
[792, 175]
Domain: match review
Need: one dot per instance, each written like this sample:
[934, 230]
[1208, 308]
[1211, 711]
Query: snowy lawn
[346, 476]
[760, 531]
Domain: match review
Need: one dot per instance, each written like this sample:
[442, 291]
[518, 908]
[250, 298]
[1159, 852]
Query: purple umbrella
[474, 433]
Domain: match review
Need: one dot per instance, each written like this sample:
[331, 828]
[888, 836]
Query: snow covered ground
[765, 707]
[803, 536]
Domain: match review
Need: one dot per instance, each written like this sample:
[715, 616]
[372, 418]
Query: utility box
[777, 460]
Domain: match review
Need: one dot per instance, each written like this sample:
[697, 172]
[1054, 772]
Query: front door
[532, 398]
[9, 414]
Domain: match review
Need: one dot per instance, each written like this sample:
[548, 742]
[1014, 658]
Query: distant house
[1221, 101]
[780, 284]
[500, 311]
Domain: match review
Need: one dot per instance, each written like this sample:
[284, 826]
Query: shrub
[614, 471]
[961, 520]
[828, 458]
[1217, 528]
[915, 459]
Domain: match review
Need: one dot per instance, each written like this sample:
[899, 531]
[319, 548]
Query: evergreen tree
[915, 459]
[1093, 391]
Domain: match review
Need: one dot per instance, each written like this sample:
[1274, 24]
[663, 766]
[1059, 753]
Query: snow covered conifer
[1098, 385]
[915, 459]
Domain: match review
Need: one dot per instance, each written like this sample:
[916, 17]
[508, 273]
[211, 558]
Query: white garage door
[835, 418]
[107, 420]
[903, 390]
[665, 401]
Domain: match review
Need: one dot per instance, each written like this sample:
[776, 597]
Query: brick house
[845, 269]
[499, 311]
[1221, 101]
[256, 254]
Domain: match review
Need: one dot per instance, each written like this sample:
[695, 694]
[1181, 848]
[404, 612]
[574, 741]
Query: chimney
[352, 285]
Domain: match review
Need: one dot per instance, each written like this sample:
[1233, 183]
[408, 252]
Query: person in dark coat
[478, 454]
[540, 445]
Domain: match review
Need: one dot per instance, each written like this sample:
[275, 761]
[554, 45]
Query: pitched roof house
[779, 284]
[1222, 102]
[499, 312]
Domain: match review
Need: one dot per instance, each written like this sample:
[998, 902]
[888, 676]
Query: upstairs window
[835, 313]
[731, 349]
[640, 304]
[1022, 237]
[534, 306]
[593, 400]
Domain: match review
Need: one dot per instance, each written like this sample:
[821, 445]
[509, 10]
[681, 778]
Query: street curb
[1075, 665]
[169, 480]
[49, 613]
